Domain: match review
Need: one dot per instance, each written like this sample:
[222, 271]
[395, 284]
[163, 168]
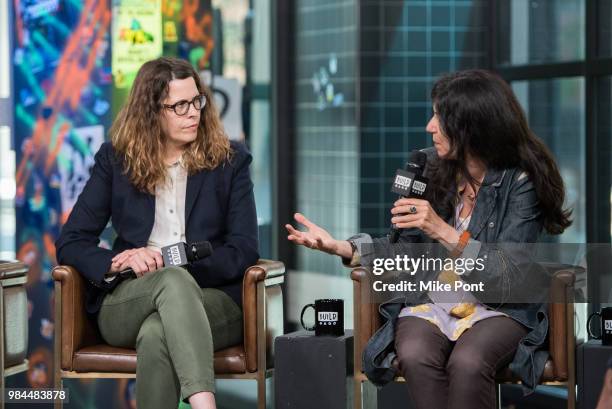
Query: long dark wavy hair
[481, 117]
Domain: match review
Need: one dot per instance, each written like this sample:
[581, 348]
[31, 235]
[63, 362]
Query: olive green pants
[175, 326]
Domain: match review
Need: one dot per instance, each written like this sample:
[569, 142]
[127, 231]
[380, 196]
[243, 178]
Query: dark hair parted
[480, 115]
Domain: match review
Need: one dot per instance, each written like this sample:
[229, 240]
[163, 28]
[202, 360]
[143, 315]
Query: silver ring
[412, 210]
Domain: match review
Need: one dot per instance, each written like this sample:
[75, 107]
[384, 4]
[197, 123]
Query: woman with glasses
[169, 175]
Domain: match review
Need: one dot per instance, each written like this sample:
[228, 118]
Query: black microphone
[178, 254]
[409, 182]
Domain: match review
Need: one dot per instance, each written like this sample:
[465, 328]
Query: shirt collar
[179, 162]
[494, 177]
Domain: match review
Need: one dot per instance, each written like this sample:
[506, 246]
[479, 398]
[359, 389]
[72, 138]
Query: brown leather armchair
[559, 370]
[80, 351]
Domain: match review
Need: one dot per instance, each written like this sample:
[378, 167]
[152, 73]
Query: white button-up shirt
[169, 225]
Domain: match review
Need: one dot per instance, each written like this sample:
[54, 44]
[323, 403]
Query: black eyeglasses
[182, 107]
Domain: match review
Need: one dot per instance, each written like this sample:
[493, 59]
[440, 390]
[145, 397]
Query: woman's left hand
[409, 213]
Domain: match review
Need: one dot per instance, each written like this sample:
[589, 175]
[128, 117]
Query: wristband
[463, 241]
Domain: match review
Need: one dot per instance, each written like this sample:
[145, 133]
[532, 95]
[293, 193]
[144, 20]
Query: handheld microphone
[409, 182]
[178, 254]
[181, 254]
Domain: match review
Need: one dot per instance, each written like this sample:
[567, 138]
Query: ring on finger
[412, 210]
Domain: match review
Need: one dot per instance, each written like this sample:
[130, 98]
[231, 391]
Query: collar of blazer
[485, 202]
[194, 184]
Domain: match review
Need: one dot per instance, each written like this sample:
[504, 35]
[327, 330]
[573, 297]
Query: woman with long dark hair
[491, 181]
[169, 175]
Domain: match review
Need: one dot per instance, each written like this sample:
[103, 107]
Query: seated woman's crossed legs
[175, 327]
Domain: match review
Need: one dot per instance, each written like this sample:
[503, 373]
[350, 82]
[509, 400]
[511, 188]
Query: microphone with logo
[409, 183]
[179, 254]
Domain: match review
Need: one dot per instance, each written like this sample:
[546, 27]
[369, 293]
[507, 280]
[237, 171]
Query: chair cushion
[506, 375]
[105, 358]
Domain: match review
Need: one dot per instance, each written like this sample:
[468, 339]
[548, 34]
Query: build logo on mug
[329, 317]
[606, 326]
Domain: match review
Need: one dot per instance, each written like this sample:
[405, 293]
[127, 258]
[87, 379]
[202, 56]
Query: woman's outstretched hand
[317, 238]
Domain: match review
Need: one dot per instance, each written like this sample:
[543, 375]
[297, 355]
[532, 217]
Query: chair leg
[370, 395]
[261, 391]
[2, 380]
[571, 393]
[57, 344]
[59, 384]
[498, 400]
[357, 394]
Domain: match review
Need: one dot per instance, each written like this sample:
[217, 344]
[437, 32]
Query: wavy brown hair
[137, 135]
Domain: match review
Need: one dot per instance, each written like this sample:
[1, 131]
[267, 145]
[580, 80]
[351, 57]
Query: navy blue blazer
[219, 207]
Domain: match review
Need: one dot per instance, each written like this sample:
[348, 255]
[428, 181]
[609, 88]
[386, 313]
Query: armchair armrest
[73, 327]
[262, 306]
[561, 336]
[365, 312]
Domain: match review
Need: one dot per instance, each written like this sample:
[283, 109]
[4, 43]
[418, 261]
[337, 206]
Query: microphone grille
[419, 158]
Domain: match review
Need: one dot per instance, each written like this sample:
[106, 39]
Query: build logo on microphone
[402, 181]
[419, 187]
[175, 255]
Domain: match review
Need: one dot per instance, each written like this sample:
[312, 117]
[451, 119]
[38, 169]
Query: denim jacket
[506, 212]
